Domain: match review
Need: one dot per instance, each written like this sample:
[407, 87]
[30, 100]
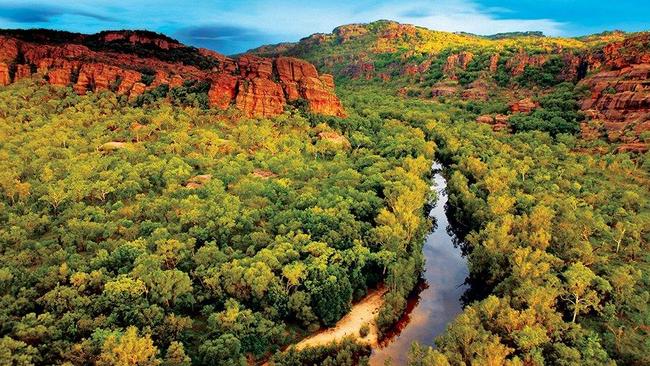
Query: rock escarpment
[131, 63]
[620, 93]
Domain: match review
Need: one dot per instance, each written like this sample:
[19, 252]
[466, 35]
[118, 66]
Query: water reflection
[437, 299]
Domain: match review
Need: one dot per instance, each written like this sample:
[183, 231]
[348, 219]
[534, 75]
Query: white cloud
[310, 17]
[285, 19]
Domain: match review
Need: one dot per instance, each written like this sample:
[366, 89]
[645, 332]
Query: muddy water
[431, 309]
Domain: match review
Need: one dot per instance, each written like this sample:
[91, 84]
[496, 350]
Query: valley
[162, 204]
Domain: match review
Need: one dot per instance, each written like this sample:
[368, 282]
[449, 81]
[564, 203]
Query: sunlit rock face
[132, 63]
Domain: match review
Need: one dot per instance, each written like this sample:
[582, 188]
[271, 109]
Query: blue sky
[235, 26]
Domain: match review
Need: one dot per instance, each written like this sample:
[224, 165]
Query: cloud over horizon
[234, 26]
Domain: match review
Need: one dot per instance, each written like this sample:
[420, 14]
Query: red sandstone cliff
[620, 88]
[257, 86]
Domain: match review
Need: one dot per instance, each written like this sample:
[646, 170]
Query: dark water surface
[439, 301]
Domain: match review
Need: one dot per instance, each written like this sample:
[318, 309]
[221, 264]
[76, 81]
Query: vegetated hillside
[144, 66]
[498, 76]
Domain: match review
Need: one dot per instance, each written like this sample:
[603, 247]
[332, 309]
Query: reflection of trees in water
[477, 288]
[412, 302]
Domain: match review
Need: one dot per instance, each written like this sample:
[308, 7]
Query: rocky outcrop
[5, 74]
[223, 90]
[477, 90]
[457, 61]
[359, 68]
[494, 62]
[257, 86]
[394, 30]
[260, 97]
[139, 38]
[518, 63]
[498, 122]
[634, 147]
[345, 33]
[443, 89]
[524, 106]
[620, 94]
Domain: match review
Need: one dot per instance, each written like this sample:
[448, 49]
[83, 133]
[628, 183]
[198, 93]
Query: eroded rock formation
[106, 61]
[620, 94]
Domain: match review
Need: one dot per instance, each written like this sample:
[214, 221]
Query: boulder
[486, 119]
[526, 105]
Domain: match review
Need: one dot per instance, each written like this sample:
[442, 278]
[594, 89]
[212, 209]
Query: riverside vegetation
[145, 232]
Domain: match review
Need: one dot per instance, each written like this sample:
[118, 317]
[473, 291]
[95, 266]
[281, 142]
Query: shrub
[364, 330]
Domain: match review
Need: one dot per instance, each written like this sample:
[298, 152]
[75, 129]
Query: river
[430, 310]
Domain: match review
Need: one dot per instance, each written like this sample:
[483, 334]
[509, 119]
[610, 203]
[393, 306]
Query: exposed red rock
[139, 38]
[443, 89]
[410, 70]
[498, 122]
[5, 77]
[634, 147]
[494, 62]
[395, 30]
[223, 90]
[620, 98]
[258, 86]
[260, 97]
[477, 90]
[501, 119]
[348, 32]
[571, 68]
[457, 61]
[518, 63]
[360, 69]
[524, 106]
[486, 119]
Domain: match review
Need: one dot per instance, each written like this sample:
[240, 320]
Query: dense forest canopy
[157, 231]
[181, 231]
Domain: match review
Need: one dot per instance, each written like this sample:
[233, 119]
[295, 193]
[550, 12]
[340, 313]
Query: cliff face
[620, 95]
[131, 63]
